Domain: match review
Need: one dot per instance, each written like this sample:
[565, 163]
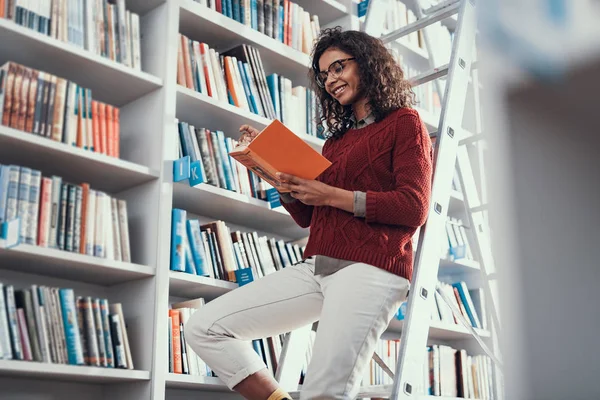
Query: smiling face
[345, 88]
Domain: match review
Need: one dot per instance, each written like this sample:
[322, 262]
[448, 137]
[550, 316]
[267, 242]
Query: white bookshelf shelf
[110, 81]
[458, 267]
[190, 286]
[72, 163]
[207, 383]
[73, 266]
[327, 10]
[143, 6]
[235, 208]
[69, 373]
[438, 331]
[200, 23]
[203, 111]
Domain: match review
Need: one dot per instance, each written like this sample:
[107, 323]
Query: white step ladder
[450, 152]
[450, 155]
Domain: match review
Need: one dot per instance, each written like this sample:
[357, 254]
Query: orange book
[96, 126]
[176, 341]
[116, 132]
[278, 149]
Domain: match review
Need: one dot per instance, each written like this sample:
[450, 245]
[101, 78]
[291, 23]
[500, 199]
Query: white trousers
[353, 306]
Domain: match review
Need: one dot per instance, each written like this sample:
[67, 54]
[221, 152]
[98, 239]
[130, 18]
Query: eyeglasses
[336, 69]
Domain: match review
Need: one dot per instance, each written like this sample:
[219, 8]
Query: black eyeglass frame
[340, 62]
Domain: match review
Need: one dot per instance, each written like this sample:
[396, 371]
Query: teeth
[338, 90]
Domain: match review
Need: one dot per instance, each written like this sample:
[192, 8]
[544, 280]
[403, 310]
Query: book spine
[23, 201]
[71, 328]
[34, 204]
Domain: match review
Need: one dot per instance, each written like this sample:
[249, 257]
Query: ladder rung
[422, 23]
[374, 391]
[482, 207]
[429, 75]
[440, 6]
[472, 139]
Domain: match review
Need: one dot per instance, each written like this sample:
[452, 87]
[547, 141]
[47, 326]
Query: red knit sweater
[391, 161]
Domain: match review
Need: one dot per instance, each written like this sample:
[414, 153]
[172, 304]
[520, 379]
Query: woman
[362, 212]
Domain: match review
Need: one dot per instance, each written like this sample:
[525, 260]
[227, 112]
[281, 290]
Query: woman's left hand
[310, 192]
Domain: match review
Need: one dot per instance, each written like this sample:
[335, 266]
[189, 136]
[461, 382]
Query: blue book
[197, 247]
[225, 163]
[273, 84]
[67, 305]
[190, 267]
[246, 86]
[235, 4]
[254, 14]
[463, 292]
[177, 243]
[255, 102]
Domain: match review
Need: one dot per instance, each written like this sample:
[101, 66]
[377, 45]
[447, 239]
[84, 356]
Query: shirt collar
[369, 119]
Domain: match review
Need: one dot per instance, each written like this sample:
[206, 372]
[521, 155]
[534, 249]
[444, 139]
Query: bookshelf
[111, 82]
[150, 100]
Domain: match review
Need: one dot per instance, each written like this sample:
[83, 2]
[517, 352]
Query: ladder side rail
[414, 335]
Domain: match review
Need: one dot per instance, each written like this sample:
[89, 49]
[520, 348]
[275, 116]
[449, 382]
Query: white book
[116, 233]
[200, 66]
[99, 249]
[129, 39]
[124, 230]
[90, 220]
[39, 323]
[34, 203]
[91, 41]
[121, 15]
[52, 223]
[135, 33]
[108, 230]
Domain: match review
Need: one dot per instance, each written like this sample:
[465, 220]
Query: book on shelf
[54, 325]
[103, 27]
[470, 303]
[58, 214]
[183, 360]
[283, 20]
[447, 371]
[215, 250]
[277, 149]
[217, 167]
[237, 77]
[55, 108]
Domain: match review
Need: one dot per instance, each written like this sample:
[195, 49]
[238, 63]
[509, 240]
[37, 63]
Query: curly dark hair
[381, 79]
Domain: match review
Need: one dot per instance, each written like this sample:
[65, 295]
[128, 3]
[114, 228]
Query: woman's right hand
[248, 134]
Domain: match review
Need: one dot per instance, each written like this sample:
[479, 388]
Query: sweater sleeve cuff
[371, 209]
[360, 204]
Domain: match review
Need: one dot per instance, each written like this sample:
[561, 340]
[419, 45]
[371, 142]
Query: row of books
[470, 302]
[216, 251]
[218, 167]
[57, 214]
[53, 325]
[183, 360]
[447, 372]
[458, 241]
[103, 27]
[237, 77]
[282, 20]
[37, 102]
